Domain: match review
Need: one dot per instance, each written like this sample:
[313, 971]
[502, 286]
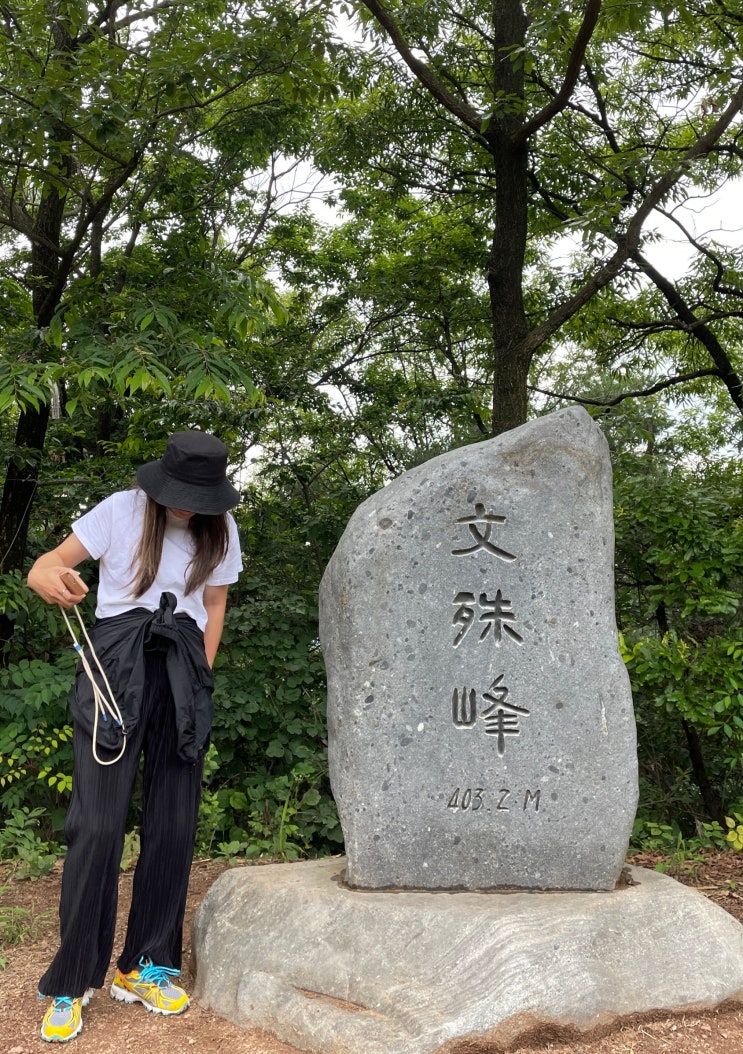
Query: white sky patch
[715, 219]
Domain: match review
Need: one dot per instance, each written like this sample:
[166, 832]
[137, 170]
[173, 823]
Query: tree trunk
[47, 277]
[20, 488]
[710, 795]
[508, 247]
[18, 495]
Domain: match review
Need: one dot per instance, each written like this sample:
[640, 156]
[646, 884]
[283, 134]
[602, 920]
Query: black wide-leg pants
[94, 829]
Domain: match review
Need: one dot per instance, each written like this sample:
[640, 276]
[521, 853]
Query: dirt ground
[116, 1027]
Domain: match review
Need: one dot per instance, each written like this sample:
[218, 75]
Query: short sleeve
[94, 528]
[228, 571]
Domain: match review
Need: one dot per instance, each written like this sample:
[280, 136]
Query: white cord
[102, 706]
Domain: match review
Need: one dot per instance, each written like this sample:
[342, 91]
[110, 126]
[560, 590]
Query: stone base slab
[287, 948]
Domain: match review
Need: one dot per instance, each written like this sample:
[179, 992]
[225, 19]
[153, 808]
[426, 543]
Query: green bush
[36, 738]
[22, 843]
[268, 794]
[679, 559]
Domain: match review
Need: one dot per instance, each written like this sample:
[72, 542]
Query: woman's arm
[215, 602]
[46, 575]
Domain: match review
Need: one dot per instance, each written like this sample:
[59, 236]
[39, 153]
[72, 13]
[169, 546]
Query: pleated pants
[95, 827]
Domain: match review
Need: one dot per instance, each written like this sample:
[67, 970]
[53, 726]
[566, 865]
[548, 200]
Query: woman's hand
[54, 577]
[57, 585]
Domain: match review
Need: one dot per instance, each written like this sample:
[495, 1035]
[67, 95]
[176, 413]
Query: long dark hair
[211, 536]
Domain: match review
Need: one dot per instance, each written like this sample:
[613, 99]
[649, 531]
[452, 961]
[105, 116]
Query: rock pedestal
[481, 730]
[286, 948]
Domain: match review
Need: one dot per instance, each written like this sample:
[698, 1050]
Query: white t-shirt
[111, 532]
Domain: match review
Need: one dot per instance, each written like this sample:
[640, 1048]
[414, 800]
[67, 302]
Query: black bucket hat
[191, 475]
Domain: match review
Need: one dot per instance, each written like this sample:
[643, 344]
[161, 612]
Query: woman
[168, 551]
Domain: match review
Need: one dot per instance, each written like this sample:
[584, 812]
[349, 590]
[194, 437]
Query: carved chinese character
[501, 717]
[496, 614]
[480, 527]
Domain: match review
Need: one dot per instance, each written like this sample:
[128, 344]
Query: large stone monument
[480, 716]
[481, 742]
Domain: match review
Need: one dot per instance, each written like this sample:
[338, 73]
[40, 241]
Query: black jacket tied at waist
[121, 642]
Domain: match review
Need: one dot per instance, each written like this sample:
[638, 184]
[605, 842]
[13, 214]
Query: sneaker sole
[60, 1039]
[123, 995]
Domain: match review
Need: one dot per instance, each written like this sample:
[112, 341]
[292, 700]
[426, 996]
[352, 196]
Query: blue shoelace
[64, 1002]
[159, 975]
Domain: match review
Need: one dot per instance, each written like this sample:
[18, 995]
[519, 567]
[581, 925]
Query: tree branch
[628, 244]
[560, 101]
[16, 216]
[461, 109]
[715, 260]
[669, 382]
[705, 336]
[106, 22]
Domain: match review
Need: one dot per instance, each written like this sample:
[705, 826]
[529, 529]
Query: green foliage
[35, 735]
[22, 843]
[167, 304]
[280, 818]
[693, 680]
[679, 556]
[668, 838]
[130, 852]
[267, 790]
[734, 836]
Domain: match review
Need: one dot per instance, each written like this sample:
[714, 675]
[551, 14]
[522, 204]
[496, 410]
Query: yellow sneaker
[64, 1018]
[150, 985]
